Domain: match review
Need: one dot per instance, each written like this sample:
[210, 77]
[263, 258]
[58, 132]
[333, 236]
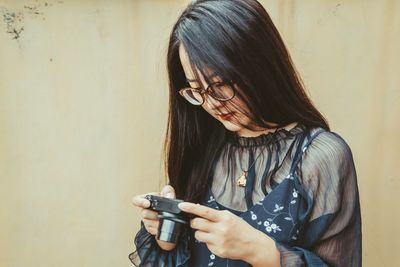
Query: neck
[249, 133]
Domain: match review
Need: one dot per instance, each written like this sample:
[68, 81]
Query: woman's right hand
[149, 217]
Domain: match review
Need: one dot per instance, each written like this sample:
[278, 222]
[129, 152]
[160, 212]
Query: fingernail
[145, 203]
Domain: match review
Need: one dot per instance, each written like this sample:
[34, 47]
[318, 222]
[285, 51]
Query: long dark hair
[238, 40]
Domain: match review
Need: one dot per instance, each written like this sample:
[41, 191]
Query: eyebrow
[196, 80]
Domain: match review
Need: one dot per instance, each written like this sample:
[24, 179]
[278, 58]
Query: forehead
[187, 68]
[185, 61]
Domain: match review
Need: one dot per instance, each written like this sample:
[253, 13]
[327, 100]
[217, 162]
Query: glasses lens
[222, 91]
[194, 97]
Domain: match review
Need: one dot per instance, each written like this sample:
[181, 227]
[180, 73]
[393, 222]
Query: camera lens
[170, 227]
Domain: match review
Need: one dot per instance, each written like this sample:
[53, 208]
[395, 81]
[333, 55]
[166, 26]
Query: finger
[150, 223]
[168, 191]
[201, 224]
[149, 214]
[203, 236]
[200, 210]
[151, 230]
[141, 201]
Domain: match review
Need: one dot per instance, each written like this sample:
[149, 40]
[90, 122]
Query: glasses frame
[208, 91]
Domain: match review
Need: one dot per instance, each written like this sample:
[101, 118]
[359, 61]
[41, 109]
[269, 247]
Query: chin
[231, 127]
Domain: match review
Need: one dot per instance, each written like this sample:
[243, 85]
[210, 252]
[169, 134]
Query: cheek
[243, 110]
[207, 110]
[239, 105]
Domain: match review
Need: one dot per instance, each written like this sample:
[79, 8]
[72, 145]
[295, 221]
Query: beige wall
[83, 103]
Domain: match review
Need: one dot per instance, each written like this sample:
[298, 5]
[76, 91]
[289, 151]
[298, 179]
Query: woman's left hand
[225, 234]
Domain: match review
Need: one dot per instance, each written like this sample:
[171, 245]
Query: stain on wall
[15, 19]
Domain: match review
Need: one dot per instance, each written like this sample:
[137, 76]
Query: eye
[219, 84]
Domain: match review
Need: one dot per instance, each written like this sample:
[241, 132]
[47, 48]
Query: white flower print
[279, 214]
[275, 227]
[271, 227]
[253, 216]
[278, 208]
[212, 257]
[294, 237]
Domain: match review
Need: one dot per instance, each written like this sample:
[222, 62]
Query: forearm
[263, 251]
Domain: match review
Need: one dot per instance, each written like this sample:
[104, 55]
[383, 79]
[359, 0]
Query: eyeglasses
[221, 91]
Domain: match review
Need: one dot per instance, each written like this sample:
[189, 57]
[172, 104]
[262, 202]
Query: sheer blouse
[301, 190]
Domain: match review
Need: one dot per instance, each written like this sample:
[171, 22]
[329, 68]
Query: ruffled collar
[265, 139]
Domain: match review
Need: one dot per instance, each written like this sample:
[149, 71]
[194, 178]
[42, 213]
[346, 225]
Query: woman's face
[214, 107]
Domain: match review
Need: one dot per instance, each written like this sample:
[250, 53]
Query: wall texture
[83, 102]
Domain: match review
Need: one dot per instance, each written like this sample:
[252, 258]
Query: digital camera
[172, 219]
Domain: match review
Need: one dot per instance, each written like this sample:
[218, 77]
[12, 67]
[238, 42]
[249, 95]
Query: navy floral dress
[302, 193]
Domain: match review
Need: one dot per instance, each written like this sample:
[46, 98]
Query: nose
[211, 103]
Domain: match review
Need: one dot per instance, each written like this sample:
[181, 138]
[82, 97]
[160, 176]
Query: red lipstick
[226, 116]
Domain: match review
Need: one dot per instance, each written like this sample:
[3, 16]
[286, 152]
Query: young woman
[273, 186]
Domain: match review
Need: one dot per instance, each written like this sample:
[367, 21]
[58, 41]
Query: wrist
[263, 251]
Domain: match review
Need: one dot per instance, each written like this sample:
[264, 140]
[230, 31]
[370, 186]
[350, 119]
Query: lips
[226, 116]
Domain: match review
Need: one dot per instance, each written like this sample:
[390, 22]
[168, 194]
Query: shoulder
[328, 174]
[328, 146]
[328, 156]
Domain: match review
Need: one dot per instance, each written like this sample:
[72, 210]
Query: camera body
[173, 221]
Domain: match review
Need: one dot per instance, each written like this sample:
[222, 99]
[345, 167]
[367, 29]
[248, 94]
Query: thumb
[168, 191]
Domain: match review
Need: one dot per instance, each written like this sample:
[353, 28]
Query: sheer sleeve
[331, 234]
[149, 254]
